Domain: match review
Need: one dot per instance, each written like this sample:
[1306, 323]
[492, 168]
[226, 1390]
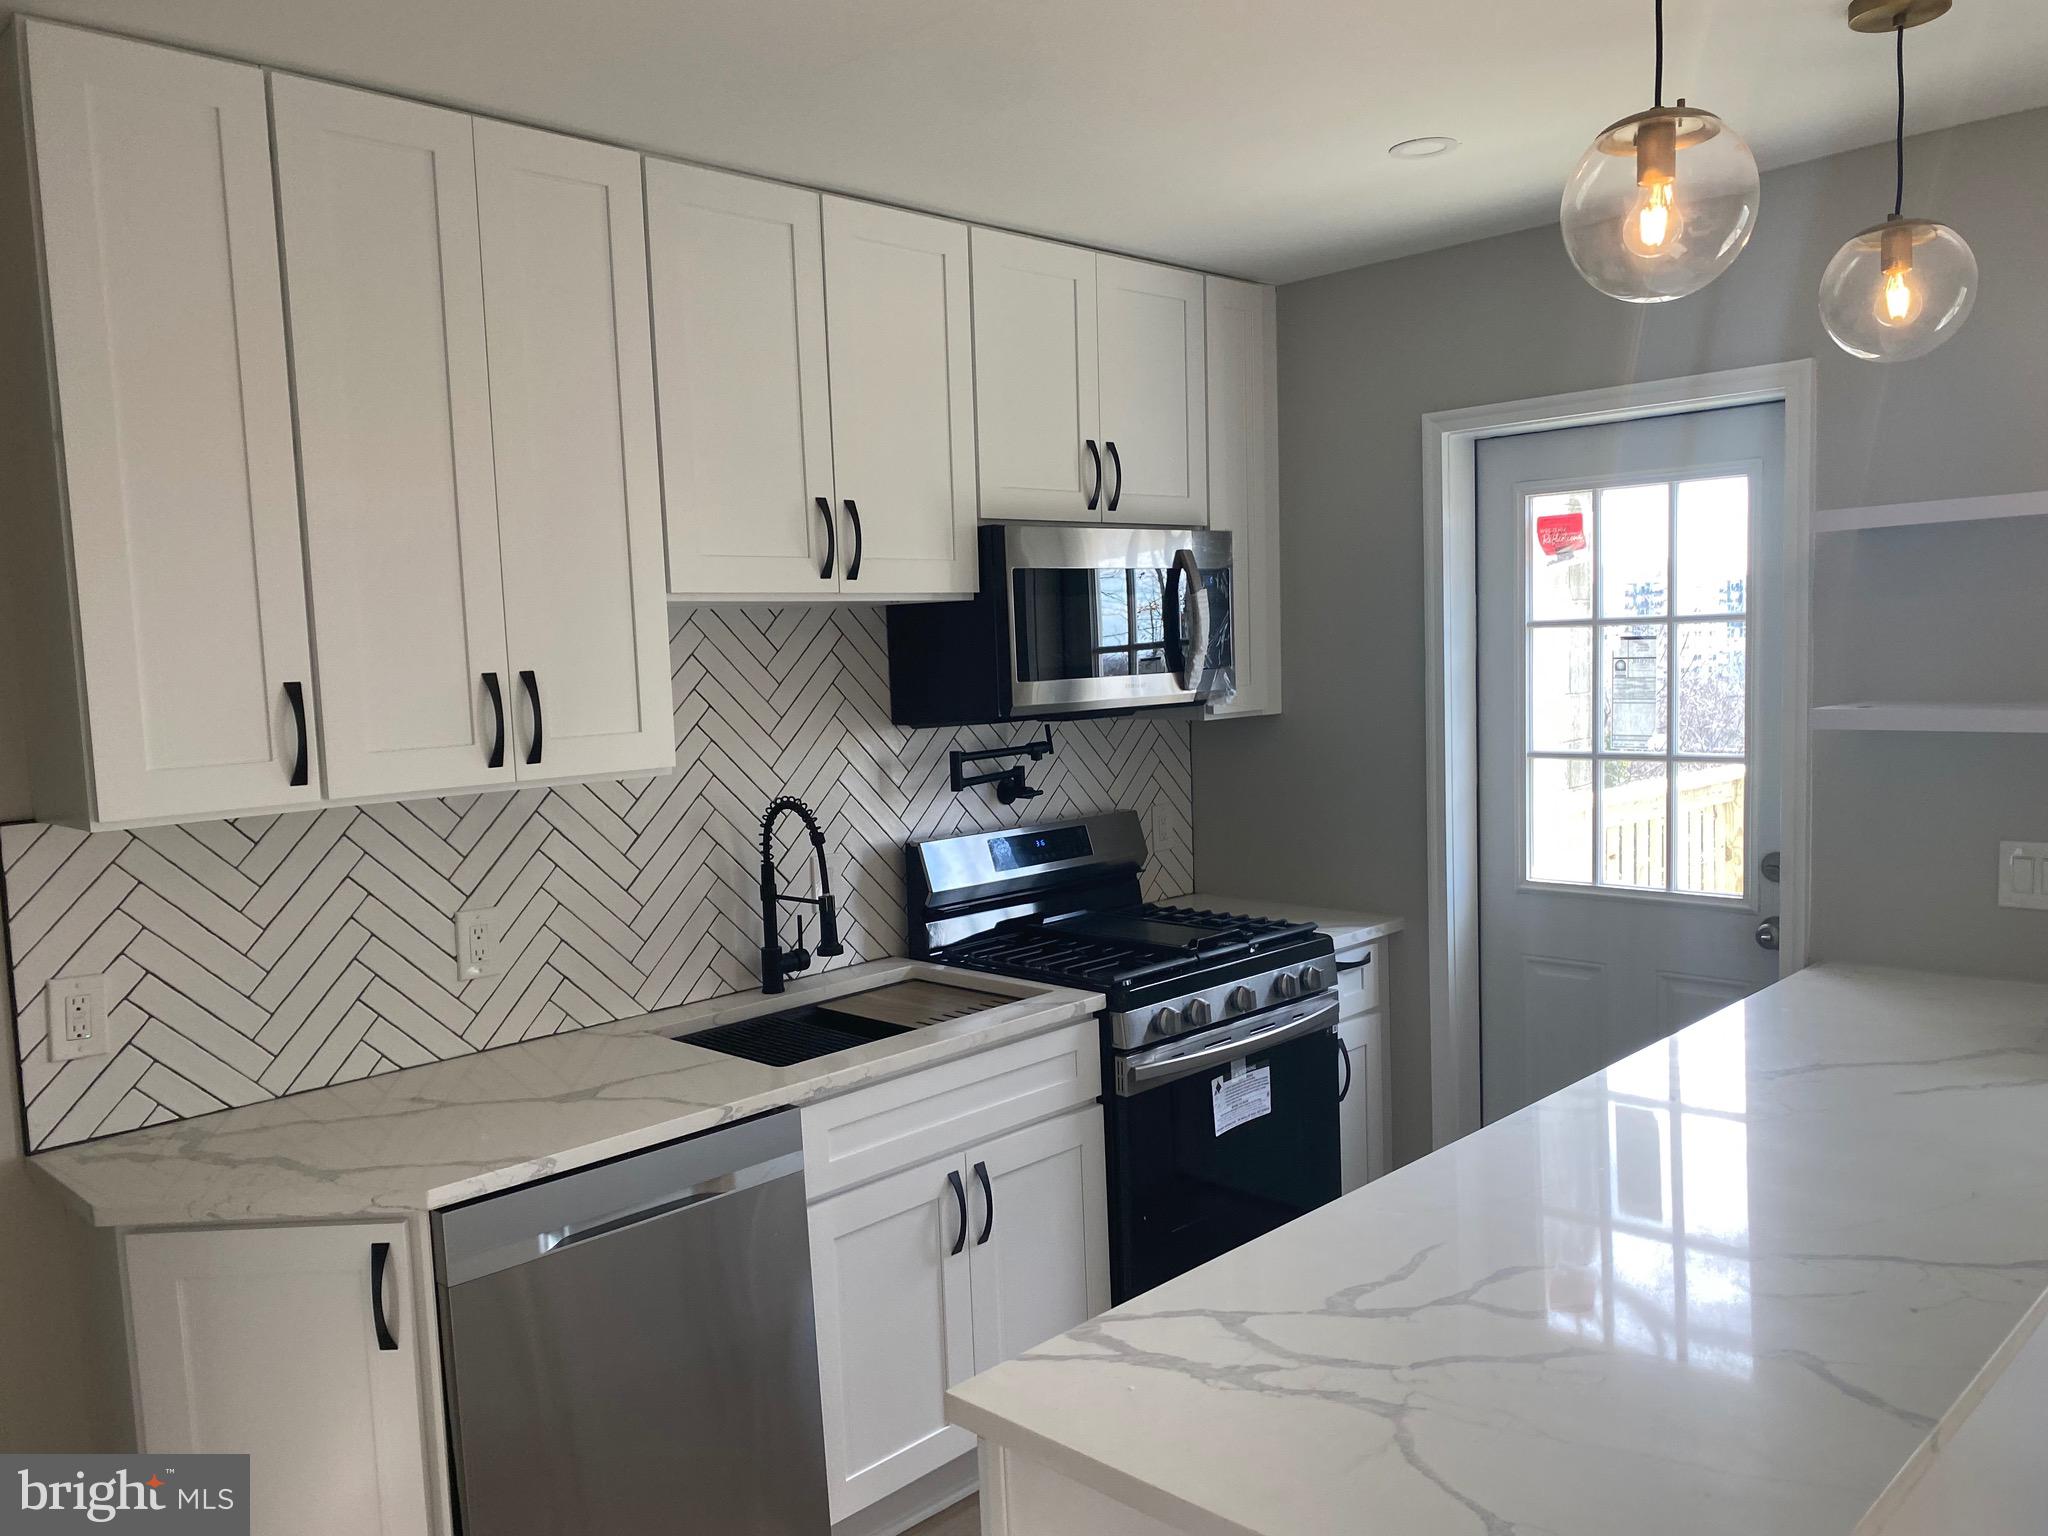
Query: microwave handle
[1186, 655]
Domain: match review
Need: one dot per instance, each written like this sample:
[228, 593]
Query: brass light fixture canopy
[1689, 126]
[1891, 15]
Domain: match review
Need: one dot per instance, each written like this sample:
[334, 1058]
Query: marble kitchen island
[1733, 1284]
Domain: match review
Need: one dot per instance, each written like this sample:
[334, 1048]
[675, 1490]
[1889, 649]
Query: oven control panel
[1233, 1000]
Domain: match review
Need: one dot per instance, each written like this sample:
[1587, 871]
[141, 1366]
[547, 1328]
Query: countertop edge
[1058, 1007]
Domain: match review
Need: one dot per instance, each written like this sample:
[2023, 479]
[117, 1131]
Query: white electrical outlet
[78, 1017]
[476, 945]
[2023, 875]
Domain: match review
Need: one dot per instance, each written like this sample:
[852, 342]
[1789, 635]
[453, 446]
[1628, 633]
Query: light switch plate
[476, 945]
[78, 1017]
[2023, 875]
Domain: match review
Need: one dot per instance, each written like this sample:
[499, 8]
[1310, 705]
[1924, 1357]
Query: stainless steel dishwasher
[630, 1348]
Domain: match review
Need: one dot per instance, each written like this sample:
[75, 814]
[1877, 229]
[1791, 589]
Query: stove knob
[1197, 1013]
[1286, 986]
[1243, 1000]
[1314, 978]
[1166, 1022]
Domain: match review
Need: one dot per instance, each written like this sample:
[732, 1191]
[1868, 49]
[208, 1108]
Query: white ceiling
[1243, 136]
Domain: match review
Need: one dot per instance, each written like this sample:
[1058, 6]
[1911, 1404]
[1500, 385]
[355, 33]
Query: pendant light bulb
[1901, 288]
[1663, 202]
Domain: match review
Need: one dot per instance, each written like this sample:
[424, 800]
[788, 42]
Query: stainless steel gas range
[1219, 1096]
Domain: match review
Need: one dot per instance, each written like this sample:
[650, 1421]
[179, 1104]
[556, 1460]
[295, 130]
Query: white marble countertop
[1728, 1285]
[1347, 930]
[449, 1131]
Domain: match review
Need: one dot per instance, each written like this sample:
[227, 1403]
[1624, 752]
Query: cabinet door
[266, 1341]
[897, 322]
[1354, 1109]
[1154, 405]
[738, 275]
[378, 201]
[167, 324]
[1243, 481]
[895, 1329]
[572, 416]
[1038, 432]
[1040, 1243]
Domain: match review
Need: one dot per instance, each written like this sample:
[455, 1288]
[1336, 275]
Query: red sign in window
[1561, 534]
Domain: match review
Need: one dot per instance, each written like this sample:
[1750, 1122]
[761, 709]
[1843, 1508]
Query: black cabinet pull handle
[1095, 491]
[1344, 1056]
[497, 757]
[532, 686]
[960, 1196]
[380, 1258]
[988, 1201]
[831, 539]
[860, 541]
[1116, 462]
[295, 695]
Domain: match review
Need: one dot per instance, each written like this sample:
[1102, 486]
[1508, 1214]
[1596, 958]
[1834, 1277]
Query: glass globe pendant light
[1901, 288]
[1663, 202]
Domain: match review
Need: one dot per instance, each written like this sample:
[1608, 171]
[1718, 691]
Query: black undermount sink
[797, 1035]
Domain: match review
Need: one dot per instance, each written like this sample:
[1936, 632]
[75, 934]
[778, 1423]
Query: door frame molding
[1450, 441]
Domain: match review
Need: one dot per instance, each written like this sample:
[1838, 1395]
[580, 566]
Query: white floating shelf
[1921, 514]
[1981, 719]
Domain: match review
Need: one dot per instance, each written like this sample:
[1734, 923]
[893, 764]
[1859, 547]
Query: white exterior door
[1038, 429]
[378, 200]
[579, 486]
[899, 327]
[895, 1328]
[1039, 1246]
[266, 1341]
[1244, 488]
[1155, 410]
[160, 237]
[1631, 666]
[738, 276]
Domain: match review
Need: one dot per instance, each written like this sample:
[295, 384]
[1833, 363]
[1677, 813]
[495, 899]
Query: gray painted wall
[1326, 803]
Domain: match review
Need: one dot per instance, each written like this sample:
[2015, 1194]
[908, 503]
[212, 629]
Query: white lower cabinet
[926, 1276]
[270, 1341]
[1364, 1140]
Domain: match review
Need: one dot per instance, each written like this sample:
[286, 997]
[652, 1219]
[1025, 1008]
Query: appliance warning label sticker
[1241, 1095]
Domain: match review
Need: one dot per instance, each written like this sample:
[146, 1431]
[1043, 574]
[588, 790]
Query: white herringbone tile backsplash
[253, 958]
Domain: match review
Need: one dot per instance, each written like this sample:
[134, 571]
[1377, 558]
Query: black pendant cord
[1658, 85]
[1899, 139]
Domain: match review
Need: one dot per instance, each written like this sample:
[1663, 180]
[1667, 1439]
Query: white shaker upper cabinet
[738, 276]
[1244, 486]
[898, 325]
[1154, 396]
[167, 329]
[378, 200]
[1038, 418]
[579, 488]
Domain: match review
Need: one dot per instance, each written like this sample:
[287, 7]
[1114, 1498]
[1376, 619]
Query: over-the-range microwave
[1070, 620]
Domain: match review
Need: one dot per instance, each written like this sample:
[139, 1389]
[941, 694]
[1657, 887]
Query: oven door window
[1182, 1194]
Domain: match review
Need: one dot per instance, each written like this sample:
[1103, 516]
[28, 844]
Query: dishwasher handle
[526, 1224]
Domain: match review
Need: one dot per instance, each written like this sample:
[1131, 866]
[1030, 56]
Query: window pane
[1561, 689]
[1635, 550]
[1713, 545]
[1561, 556]
[1561, 819]
[1632, 802]
[1711, 858]
[1635, 709]
[1148, 611]
[1713, 700]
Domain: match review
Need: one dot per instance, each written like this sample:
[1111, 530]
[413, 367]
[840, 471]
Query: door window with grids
[1636, 653]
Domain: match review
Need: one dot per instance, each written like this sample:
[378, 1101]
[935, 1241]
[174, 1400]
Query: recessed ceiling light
[1423, 148]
